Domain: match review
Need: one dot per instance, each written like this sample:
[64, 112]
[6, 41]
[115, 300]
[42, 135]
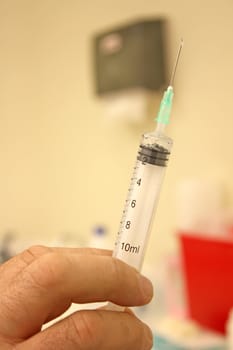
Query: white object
[200, 206]
[129, 105]
[186, 334]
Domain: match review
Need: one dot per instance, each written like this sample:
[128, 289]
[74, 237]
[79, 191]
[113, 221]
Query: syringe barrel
[142, 199]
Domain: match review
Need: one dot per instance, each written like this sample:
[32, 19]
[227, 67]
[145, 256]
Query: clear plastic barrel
[142, 199]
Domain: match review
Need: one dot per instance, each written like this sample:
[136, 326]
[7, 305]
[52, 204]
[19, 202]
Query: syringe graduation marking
[127, 247]
[153, 154]
[123, 221]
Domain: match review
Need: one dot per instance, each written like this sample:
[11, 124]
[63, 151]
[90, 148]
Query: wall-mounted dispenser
[128, 65]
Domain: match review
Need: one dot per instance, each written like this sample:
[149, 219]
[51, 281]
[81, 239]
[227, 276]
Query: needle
[176, 62]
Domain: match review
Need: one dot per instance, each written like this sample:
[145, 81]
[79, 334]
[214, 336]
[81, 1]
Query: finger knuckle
[53, 268]
[32, 253]
[49, 270]
[88, 330]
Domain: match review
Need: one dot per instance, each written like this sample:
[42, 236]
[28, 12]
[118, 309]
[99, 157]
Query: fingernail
[146, 287]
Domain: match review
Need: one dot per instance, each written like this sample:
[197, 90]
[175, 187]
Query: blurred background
[66, 164]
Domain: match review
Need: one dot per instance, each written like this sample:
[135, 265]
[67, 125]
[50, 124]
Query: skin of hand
[41, 283]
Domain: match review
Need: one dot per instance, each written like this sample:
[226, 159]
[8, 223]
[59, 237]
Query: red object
[208, 269]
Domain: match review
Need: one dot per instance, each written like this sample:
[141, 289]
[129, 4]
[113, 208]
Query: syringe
[143, 194]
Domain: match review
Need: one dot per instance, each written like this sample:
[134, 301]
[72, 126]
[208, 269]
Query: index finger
[57, 279]
[10, 269]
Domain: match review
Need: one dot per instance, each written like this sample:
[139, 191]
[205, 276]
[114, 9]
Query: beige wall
[63, 168]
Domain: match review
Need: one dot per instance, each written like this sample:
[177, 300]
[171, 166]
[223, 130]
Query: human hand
[41, 283]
